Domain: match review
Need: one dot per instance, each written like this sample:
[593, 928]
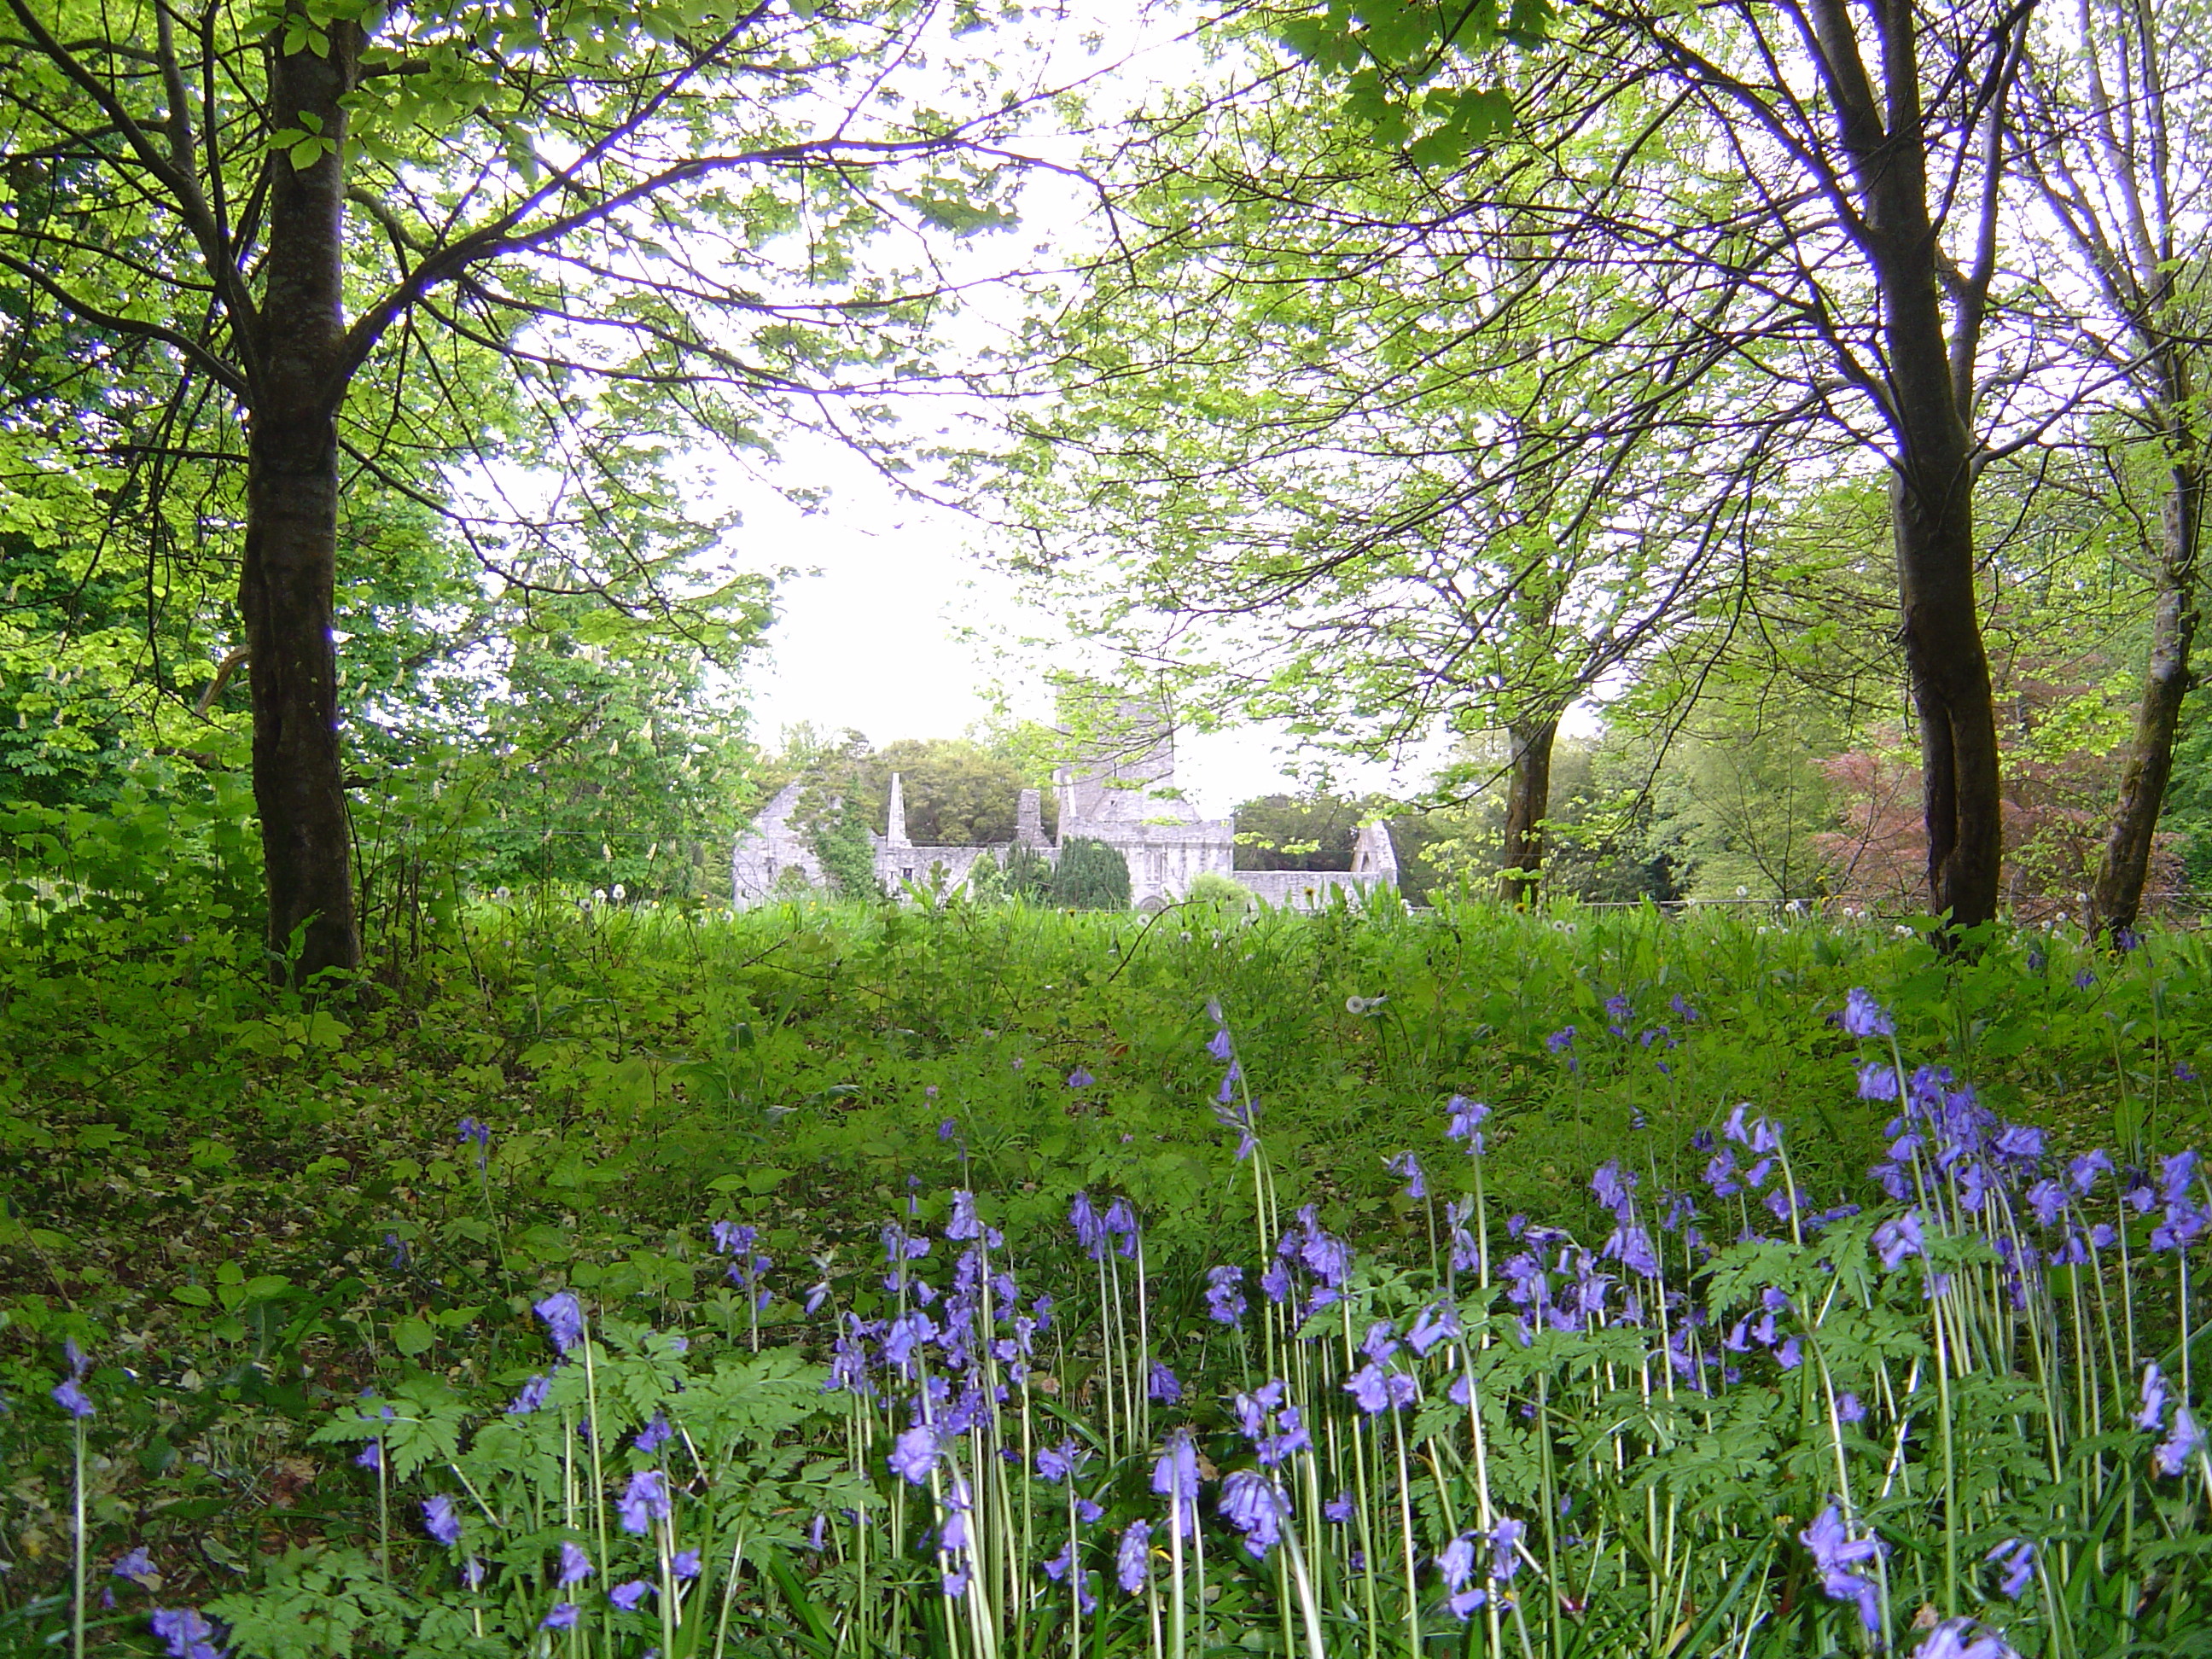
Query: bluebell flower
[575, 1566]
[1964, 1638]
[1436, 1323]
[370, 1456]
[1878, 1081]
[1898, 1238]
[564, 1319]
[2155, 1398]
[1174, 1477]
[1164, 1387]
[1079, 1078]
[139, 1567]
[70, 1397]
[563, 1617]
[1253, 1504]
[1862, 1017]
[685, 1564]
[1132, 1560]
[1406, 1165]
[1681, 1004]
[645, 1501]
[1561, 1040]
[1464, 1120]
[2016, 1556]
[1506, 1548]
[2084, 979]
[439, 1521]
[1224, 1294]
[1339, 1508]
[1056, 1463]
[394, 1244]
[914, 1455]
[628, 1595]
[1848, 1409]
[1456, 1565]
[1219, 1045]
[1836, 1554]
[532, 1396]
[187, 1634]
[655, 1435]
[2183, 1442]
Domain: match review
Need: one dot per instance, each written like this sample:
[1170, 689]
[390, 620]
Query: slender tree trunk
[2116, 898]
[1528, 802]
[1929, 396]
[286, 588]
[1961, 792]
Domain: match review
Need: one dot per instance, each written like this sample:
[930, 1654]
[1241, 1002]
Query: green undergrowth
[246, 1207]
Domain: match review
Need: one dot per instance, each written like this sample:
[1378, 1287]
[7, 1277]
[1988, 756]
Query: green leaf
[412, 1336]
[192, 1296]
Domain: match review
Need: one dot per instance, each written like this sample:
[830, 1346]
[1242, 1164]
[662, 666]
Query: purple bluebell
[645, 1501]
[575, 1566]
[2084, 979]
[655, 1435]
[1436, 1323]
[1681, 1004]
[685, 1564]
[1837, 1553]
[1618, 1010]
[1218, 1044]
[2183, 1442]
[1253, 1504]
[1163, 1386]
[139, 1567]
[2155, 1398]
[1848, 1409]
[70, 1397]
[1561, 1040]
[1339, 1508]
[1464, 1119]
[1174, 1477]
[628, 1595]
[1456, 1565]
[1898, 1238]
[1056, 1463]
[914, 1453]
[1079, 1078]
[1877, 1080]
[439, 1521]
[1506, 1548]
[1862, 1017]
[370, 1456]
[564, 1319]
[1406, 1165]
[1224, 1294]
[1964, 1638]
[2015, 1557]
[1381, 1340]
[563, 1617]
[1133, 1560]
[187, 1634]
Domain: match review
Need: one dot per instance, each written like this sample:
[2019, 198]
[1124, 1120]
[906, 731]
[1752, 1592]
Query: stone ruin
[1126, 799]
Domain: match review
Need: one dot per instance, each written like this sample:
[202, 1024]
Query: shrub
[1090, 876]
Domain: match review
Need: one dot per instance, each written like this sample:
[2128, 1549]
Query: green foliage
[1212, 887]
[1089, 876]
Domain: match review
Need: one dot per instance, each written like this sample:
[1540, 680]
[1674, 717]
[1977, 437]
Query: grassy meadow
[821, 1281]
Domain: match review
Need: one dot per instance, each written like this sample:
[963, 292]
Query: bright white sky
[903, 631]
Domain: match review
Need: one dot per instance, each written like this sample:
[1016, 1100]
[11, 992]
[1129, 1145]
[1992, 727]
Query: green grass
[247, 1210]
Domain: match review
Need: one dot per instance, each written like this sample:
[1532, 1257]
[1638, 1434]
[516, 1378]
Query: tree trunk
[1527, 801]
[2116, 898]
[288, 585]
[1950, 677]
